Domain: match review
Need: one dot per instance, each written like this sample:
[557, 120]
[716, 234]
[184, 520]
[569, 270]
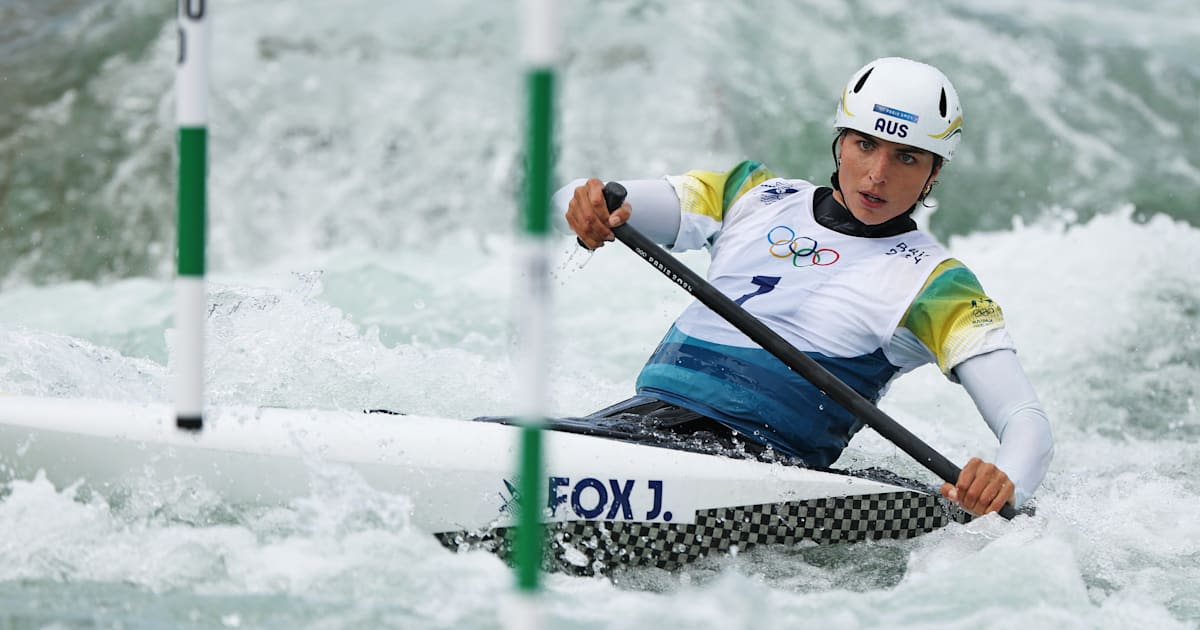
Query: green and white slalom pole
[538, 52]
[191, 112]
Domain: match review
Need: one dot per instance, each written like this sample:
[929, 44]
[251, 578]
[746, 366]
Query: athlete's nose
[876, 169]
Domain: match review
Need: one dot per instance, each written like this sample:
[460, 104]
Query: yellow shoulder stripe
[951, 312]
[711, 194]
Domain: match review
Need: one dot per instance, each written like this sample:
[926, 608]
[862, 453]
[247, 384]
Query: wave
[394, 127]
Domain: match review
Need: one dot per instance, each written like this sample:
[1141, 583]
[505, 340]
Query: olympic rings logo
[803, 250]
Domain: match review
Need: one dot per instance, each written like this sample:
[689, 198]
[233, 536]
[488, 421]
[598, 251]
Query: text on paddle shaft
[666, 271]
[612, 500]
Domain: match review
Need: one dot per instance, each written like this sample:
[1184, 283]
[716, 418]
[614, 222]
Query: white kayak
[610, 502]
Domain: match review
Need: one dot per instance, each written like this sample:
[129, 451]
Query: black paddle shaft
[802, 364]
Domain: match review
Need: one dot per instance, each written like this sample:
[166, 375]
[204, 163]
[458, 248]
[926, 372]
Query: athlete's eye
[907, 158]
[865, 145]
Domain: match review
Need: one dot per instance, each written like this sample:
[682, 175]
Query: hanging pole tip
[189, 423]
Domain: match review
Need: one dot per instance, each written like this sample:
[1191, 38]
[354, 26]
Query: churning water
[364, 171]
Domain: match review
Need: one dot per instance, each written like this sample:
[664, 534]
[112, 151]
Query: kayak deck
[588, 547]
[621, 492]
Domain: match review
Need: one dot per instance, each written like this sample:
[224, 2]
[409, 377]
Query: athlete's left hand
[982, 488]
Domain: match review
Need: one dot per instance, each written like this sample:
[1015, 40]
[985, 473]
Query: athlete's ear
[937, 168]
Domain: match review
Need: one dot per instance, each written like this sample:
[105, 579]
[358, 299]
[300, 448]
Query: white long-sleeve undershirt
[654, 203]
[1006, 400]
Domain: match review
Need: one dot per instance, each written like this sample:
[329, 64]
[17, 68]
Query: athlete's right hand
[982, 488]
[589, 217]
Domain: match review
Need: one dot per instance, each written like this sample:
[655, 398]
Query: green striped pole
[533, 297]
[191, 112]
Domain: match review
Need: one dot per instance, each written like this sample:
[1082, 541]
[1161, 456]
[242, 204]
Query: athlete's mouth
[872, 200]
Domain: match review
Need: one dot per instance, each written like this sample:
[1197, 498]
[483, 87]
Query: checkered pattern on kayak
[589, 547]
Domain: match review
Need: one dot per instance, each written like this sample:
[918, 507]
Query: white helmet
[903, 101]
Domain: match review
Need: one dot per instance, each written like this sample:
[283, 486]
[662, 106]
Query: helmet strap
[837, 160]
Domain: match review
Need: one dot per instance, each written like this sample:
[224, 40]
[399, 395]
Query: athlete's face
[880, 180]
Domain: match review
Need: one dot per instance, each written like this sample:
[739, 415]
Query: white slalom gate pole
[538, 52]
[191, 112]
